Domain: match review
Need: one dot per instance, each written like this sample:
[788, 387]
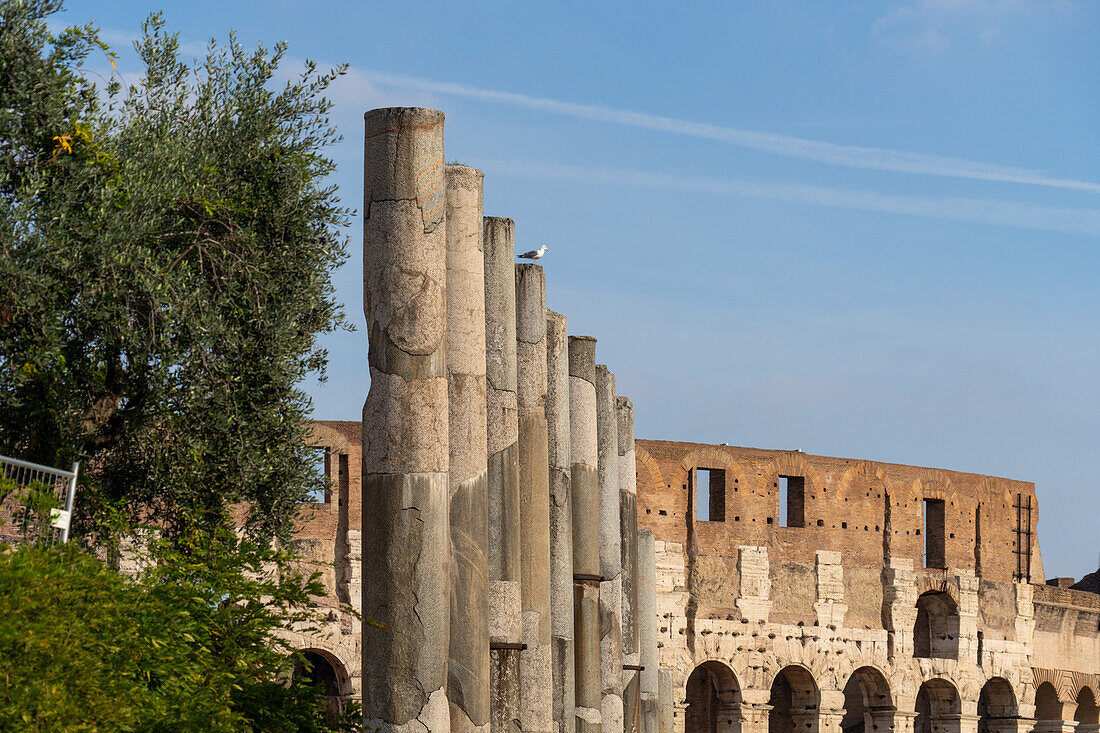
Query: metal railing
[30, 487]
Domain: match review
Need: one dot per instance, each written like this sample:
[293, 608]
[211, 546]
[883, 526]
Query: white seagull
[535, 254]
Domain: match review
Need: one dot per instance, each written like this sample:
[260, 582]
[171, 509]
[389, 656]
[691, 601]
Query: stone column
[585, 495]
[505, 634]
[561, 522]
[755, 717]
[666, 702]
[405, 424]
[536, 686]
[828, 720]
[647, 631]
[611, 585]
[1052, 726]
[1025, 725]
[468, 666]
[628, 526]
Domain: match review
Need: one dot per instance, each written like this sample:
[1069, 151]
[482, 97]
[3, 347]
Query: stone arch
[868, 703]
[1087, 712]
[1049, 708]
[936, 627]
[644, 461]
[795, 700]
[713, 697]
[938, 707]
[325, 668]
[997, 707]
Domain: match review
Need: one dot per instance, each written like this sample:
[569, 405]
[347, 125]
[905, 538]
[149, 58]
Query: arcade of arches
[716, 703]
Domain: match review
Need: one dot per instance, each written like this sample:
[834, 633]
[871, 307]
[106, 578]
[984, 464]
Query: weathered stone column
[755, 717]
[611, 586]
[667, 702]
[628, 525]
[468, 666]
[561, 522]
[536, 686]
[585, 495]
[505, 616]
[649, 688]
[405, 423]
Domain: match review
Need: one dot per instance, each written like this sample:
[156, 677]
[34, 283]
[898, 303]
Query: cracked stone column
[405, 424]
[585, 495]
[536, 686]
[611, 585]
[505, 616]
[628, 524]
[468, 666]
[561, 522]
[647, 631]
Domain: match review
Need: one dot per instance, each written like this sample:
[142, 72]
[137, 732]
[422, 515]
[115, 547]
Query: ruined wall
[877, 596]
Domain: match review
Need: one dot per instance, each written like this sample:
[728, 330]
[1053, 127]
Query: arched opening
[938, 708]
[1048, 709]
[936, 631]
[997, 711]
[867, 703]
[794, 700]
[713, 696]
[323, 671]
[1087, 712]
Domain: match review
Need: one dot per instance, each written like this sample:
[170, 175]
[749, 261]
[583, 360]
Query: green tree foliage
[165, 259]
[185, 645]
[166, 251]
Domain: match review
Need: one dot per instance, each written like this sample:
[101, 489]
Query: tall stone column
[628, 525]
[585, 494]
[611, 586]
[468, 666]
[647, 632]
[405, 424]
[561, 522]
[536, 686]
[505, 616]
[667, 702]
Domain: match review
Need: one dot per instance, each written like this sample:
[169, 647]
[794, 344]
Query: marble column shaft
[649, 688]
[505, 615]
[536, 686]
[611, 586]
[561, 522]
[585, 496]
[628, 523]
[468, 665]
[667, 702]
[406, 588]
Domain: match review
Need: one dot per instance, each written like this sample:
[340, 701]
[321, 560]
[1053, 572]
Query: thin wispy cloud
[979, 211]
[852, 156]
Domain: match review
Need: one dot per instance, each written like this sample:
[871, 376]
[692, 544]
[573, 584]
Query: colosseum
[799, 592]
[501, 555]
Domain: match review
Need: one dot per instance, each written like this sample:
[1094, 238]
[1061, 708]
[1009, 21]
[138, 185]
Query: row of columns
[506, 586]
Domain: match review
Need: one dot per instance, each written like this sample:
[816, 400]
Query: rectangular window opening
[322, 465]
[935, 548]
[792, 501]
[710, 494]
[344, 478]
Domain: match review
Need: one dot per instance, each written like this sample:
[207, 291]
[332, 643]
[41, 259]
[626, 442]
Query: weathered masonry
[799, 592]
[522, 563]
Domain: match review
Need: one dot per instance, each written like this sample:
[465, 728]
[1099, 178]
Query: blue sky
[860, 229]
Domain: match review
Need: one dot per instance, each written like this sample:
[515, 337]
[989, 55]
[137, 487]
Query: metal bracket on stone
[635, 667]
[587, 578]
[507, 645]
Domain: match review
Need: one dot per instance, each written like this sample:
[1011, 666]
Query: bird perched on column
[535, 254]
